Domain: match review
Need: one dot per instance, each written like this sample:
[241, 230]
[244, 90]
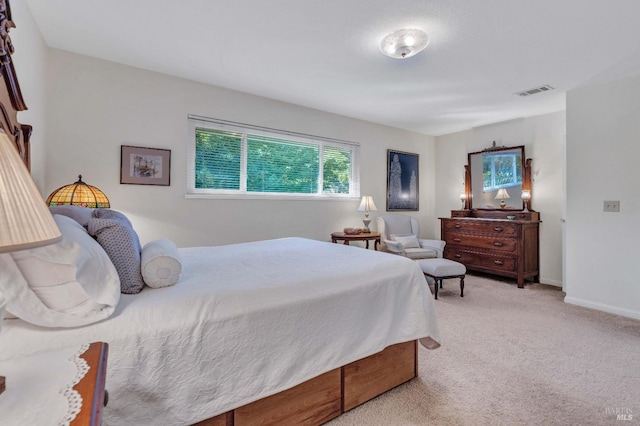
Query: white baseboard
[602, 307]
[550, 281]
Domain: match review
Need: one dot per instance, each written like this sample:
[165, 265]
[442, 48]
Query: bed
[283, 331]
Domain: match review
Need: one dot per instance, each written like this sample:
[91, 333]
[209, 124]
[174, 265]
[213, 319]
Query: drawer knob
[498, 262]
[457, 225]
[457, 240]
[458, 256]
[498, 229]
[498, 244]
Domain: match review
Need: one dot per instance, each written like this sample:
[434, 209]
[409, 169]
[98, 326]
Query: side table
[92, 386]
[64, 386]
[365, 236]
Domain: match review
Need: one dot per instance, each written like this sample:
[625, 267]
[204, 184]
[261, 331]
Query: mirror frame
[526, 178]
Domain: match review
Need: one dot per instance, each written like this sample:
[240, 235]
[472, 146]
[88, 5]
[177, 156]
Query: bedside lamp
[502, 195]
[78, 194]
[367, 205]
[25, 220]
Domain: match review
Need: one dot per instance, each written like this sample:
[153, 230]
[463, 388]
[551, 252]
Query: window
[501, 171]
[234, 159]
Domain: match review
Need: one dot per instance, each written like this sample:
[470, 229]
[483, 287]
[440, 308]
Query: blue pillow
[114, 233]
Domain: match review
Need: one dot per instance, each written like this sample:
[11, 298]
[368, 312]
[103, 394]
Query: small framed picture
[402, 180]
[145, 166]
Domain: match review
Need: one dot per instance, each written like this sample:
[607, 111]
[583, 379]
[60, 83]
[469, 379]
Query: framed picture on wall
[145, 166]
[402, 180]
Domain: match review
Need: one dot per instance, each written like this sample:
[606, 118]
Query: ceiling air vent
[535, 90]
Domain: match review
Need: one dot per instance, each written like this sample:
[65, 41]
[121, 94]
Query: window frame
[242, 193]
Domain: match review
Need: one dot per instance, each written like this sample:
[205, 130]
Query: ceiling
[324, 54]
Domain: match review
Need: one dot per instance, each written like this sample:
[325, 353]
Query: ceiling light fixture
[403, 44]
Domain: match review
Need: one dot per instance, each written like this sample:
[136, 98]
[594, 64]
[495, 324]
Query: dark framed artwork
[402, 180]
[145, 166]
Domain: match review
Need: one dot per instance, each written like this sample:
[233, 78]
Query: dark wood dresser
[486, 241]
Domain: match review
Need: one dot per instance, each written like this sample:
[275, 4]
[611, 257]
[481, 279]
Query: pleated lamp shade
[502, 194]
[25, 220]
[367, 204]
[78, 194]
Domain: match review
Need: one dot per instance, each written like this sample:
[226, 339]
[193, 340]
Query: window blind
[227, 158]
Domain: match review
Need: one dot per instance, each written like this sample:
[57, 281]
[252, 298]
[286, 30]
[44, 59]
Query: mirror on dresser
[497, 177]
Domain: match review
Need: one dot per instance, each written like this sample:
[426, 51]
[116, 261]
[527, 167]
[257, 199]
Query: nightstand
[44, 388]
[364, 236]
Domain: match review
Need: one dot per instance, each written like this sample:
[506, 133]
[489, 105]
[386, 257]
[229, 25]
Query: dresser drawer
[485, 227]
[485, 241]
[498, 242]
[484, 261]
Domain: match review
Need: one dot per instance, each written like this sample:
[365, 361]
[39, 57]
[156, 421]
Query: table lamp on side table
[25, 220]
[367, 205]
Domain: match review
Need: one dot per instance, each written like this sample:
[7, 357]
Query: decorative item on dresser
[504, 240]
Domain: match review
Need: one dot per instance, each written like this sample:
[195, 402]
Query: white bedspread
[245, 321]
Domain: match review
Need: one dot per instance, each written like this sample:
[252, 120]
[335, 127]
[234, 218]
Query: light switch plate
[612, 206]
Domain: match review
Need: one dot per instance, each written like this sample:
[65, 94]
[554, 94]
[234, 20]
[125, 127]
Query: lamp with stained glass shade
[79, 193]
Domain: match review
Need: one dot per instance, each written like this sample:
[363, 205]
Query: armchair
[399, 235]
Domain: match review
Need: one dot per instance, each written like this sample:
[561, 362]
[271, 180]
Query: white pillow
[161, 264]
[408, 241]
[67, 284]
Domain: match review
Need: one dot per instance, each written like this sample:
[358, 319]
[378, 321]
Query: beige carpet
[516, 357]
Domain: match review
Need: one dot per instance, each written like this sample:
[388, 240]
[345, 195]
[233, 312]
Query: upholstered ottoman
[439, 269]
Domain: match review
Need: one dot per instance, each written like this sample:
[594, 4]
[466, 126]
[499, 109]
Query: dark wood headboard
[11, 100]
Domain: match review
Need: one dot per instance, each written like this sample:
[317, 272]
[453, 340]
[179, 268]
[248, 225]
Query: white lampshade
[404, 43]
[526, 194]
[367, 204]
[25, 220]
[502, 194]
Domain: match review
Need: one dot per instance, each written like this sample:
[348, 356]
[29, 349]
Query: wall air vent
[535, 90]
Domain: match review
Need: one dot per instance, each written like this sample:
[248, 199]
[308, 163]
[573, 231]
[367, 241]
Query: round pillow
[160, 263]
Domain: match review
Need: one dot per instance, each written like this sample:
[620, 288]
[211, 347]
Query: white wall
[603, 134]
[30, 62]
[543, 138]
[96, 106]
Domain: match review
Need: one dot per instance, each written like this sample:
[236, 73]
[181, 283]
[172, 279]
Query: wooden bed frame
[329, 395]
[312, 402]
[11, 100]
